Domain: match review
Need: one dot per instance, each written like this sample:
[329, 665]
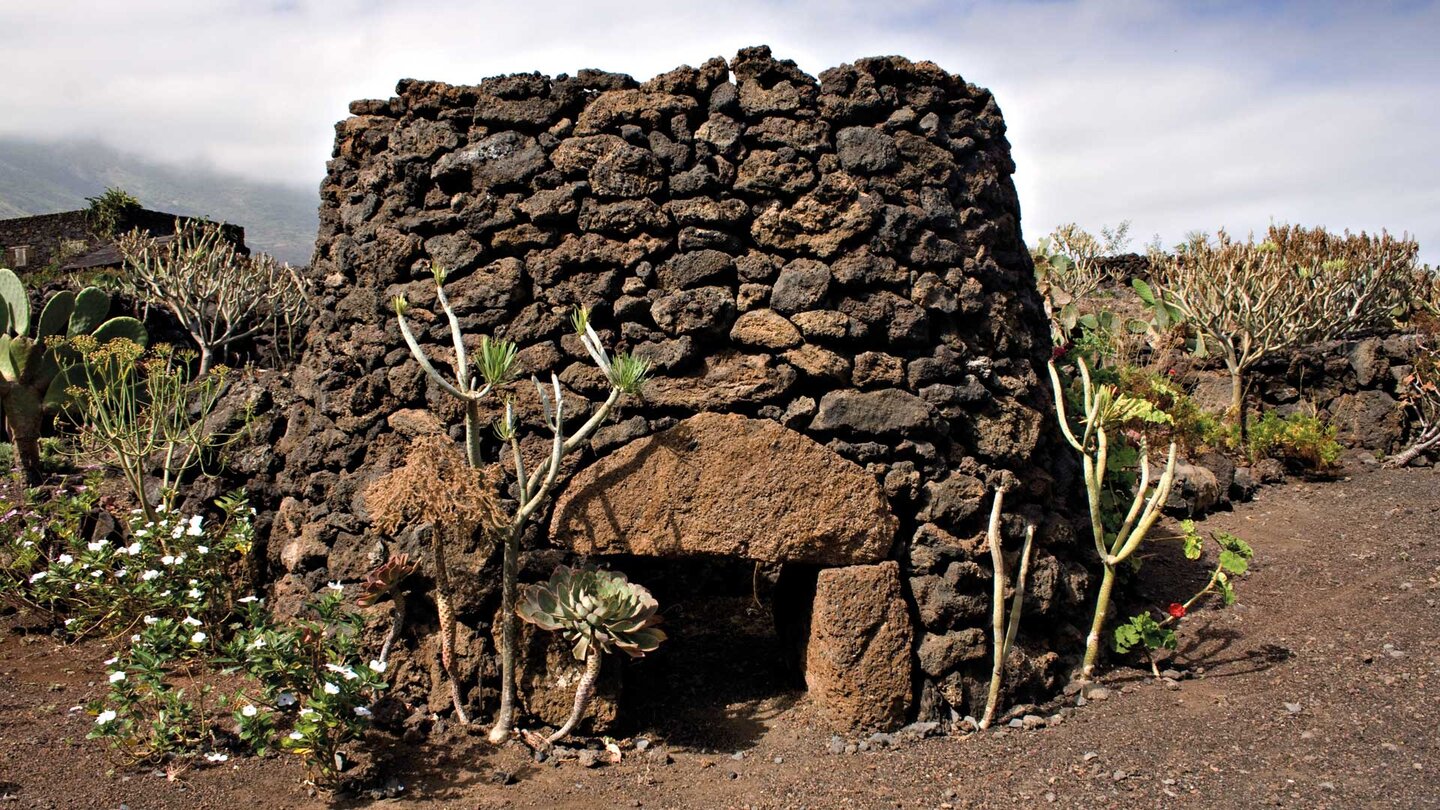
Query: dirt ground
[1317, 690]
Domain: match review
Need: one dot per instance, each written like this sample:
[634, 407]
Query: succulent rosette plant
[599, 611]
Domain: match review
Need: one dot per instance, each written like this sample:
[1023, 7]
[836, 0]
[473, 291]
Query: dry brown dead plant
[437, 486]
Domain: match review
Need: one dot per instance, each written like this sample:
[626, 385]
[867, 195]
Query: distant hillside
[41, 178]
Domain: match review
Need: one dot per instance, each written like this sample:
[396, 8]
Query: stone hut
[829, 279]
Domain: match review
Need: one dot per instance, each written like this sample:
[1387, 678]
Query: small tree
[219, 296]
[1297, 287]
[494, 367]
[1103, 409]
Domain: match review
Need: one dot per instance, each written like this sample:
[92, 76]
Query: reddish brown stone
[721, 484]
[857, 663]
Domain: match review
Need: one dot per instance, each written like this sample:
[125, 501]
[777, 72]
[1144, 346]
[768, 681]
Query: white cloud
[1175, 116]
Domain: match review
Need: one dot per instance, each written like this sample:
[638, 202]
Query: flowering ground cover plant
[174, 567]
[312, 676]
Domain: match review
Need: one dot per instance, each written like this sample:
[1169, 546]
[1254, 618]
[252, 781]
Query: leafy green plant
[132, 408]
[1143, 632]
[599, 611]
[110, 211]
[175, 569]
[33, 377]
[1299, 440]
[1104, 409]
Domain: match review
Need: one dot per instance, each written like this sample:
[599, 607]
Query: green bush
[1301, 441]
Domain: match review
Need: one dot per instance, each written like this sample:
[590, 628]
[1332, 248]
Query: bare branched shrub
[439, 487]
[1298, 286]
[1082, 274]
[220, 296]
[1420, 395]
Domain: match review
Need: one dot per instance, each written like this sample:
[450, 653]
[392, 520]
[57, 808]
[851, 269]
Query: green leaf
[91, 307]
[1227, 591]
[1125, 637]
[123, 327]
[1144, 291]
[1233, 562]
[56, 314]
[1194, 546]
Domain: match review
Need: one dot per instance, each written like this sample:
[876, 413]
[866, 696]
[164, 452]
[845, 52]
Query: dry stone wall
[836, 265]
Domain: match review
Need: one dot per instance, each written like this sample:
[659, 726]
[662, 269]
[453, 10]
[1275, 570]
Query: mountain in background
[42, 178]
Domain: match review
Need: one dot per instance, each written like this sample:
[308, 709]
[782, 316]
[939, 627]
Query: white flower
[378, 666]
[177, 531]
[361, 711]
[198, 638]
[194, 529]
[96, 573]
[249, 711]
[203, 549]
[104, 717]
[168, 559]
[37, 576]
[117, 676]
[346, 671]
[111, 661]
[194, 593]
[97, 545]
[64, 559]
[69, 622]
[121, 573]
[257, 643]
[284, 699]
[149, 620]
[216, 756]
[247, 600]
[335, 586]
[192, 621]
[135, 639]
[132, 549]
[295, 735]
[331, 689]
[307, 712]
[150, 574]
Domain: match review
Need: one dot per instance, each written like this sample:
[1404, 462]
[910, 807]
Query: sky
[1176, 116]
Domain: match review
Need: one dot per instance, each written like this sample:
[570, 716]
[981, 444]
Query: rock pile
[828, 277]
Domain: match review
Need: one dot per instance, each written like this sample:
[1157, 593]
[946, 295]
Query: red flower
[1176, 609]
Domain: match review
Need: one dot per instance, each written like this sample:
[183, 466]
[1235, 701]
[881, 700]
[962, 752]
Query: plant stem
[997, 608]
[397, 623]
[1097, 624]
[446, 612]
[583, 693]
[510, 574]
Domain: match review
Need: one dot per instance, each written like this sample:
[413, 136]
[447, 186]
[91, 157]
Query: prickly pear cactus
[34, 369]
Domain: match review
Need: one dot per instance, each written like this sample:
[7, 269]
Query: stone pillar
[857, 663]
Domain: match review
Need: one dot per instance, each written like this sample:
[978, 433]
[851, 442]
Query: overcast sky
[1177, 116]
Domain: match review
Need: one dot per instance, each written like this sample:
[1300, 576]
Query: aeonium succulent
[599, 611]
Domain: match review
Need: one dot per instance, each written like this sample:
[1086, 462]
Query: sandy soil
[1318, 690]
